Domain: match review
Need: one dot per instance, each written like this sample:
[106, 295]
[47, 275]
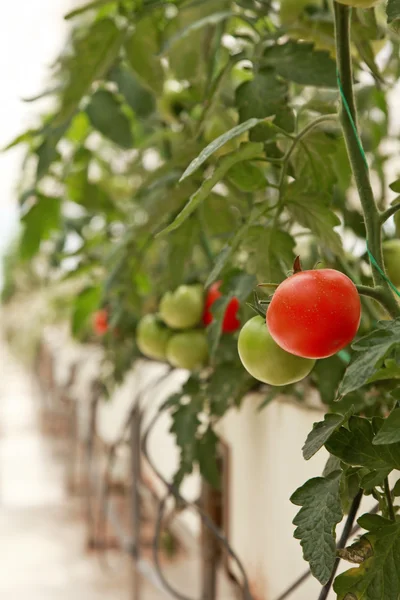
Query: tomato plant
[198, 142]
[265, 360]
[314, 314]
[230, 322]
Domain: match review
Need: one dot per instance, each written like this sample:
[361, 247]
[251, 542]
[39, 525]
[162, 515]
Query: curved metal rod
[172, 490]
[104, 496]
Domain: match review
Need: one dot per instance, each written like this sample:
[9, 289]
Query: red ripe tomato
[231, 323]
[100, 322]
[314, 314]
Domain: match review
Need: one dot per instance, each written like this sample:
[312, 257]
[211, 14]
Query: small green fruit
[188, 350]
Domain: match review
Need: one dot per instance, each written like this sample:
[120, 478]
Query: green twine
[353, 125]
[381, 272]
[359, 143]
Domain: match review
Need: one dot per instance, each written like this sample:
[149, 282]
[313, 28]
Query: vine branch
[342, 542]
[389, 500]
[348, 117]
[389, 212]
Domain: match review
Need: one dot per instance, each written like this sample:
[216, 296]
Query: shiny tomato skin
[231, 322]
[100, 322]
[314, 314]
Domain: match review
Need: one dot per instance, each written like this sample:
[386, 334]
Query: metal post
[211, 501]
[135, 496]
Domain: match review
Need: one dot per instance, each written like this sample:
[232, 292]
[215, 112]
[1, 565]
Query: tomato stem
[348, 117]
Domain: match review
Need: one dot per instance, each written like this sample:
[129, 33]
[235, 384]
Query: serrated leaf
[140, 100]
[247, 177]
[377, 578]
[212, 19]
[207, 457]
[301, 63]
[316, 522]
[354, 446]
[389, 433]
[271, 252]
[313, 162]
[245, 152]
[371, 522]
[142, 50]
[328, 374]
[42, 219]
[47, 151]
[311, 210]
[100, 46]
[393, 11]
[217, 144]
[372, 350]
[264, 96]
[322, 431]
[105, 114]
[85, 305]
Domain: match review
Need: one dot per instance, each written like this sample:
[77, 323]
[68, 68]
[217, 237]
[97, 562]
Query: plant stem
[392, 210]
[389, 500]
[372, 216]
[342, 542]
[377, 293]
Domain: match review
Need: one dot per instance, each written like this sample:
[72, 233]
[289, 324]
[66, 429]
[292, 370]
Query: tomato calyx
[297, 268]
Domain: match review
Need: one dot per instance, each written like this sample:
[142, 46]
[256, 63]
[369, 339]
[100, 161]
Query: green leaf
[212, 19]
[99, 47]
[23, 138]
[354, 446]
[264, 96]
[245, 152]
[328, 373]
[322, 431]
[105, 114]
[247, 177]
[372, 350]
[395, 186]
[41, 220]
[393, 12]
[47, 151]
[389, 433]
[316, 522]
[217, 144]
[301, 63]
[311, 210]
[371, 522]
[377, 578]
[207, 457]
[142, 50]
[314, 162]
[86, 303]
[271, 253]
[89, 6]
[140, 100]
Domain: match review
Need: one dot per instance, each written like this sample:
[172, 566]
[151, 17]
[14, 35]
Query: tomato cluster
[176, 334]
[313, 314]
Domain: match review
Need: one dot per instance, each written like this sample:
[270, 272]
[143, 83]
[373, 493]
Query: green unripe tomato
[265, 360]
[152, 337]
[188, 350]
[359, 3]
[391, 257]
[183, 308]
